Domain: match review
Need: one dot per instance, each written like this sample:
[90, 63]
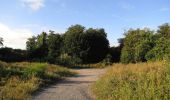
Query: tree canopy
[80, 45]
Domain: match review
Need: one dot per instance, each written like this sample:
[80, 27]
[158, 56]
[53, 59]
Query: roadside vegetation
[142, 81]
[19, 80]
[145, 70]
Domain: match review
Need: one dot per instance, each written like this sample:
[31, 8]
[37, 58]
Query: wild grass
[19, 80]
[142, 81]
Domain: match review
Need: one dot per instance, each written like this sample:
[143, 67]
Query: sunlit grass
[19, 80]
[142, 81]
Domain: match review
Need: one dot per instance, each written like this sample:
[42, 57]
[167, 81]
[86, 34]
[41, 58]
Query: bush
[69, 61]
[160, 50]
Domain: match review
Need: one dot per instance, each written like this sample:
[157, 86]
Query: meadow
[18, 81]
[141, 81]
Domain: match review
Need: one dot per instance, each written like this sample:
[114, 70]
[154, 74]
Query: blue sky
[20, 19]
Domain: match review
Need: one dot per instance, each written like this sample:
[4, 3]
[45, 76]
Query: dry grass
[142, 81]
[19, 80]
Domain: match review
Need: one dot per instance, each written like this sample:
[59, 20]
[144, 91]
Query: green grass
[19, 80]
[143, 81]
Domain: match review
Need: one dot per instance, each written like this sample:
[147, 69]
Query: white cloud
[33, 4]
[15, 38]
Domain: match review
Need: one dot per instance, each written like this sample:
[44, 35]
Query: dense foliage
[143, 45]
[77, 44]
[12, 55]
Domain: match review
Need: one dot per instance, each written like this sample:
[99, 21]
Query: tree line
[140, 45]
[79, 45]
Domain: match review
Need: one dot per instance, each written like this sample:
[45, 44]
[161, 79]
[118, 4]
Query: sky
[21, 19]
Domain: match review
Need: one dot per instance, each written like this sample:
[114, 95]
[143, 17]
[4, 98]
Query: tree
[31, 46]
[42, 46]
[73, 40]
[95, 45]
[37, 47]
[1, 41]
[160, 50]
[136, 45]
[89, 45]
[164, 30]
[55, 42]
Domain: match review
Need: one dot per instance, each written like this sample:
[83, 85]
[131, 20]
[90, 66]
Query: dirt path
[73, 88]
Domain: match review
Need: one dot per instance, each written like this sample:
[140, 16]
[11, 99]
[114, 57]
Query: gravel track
[72, 88]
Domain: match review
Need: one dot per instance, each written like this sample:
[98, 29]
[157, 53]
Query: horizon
[21, 19]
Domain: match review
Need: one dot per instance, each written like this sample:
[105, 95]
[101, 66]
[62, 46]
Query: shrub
[67, 60]
[160, 50]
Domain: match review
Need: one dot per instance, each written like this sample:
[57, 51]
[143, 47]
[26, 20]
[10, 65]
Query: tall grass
[19, 80]
[143, 81]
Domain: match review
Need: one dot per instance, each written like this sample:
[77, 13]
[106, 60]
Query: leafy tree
[72, 40]
[136, 44]
[164, 30]
[37, 47]
[95, 45]
[90, 45]
[160, 50]
[31, 46]
[54, 46]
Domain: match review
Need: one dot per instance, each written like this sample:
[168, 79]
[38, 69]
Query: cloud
[15, 38]
[33, 4]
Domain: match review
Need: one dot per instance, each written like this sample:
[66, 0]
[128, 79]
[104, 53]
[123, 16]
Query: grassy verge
[143, 81]
[19, 80]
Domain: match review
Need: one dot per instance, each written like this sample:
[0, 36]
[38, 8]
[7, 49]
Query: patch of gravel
[73, 88]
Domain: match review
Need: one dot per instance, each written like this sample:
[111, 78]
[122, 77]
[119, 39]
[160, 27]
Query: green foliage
[37, 70]
[95, 45]
[160, 50]
[81, 45]
[164, 30]
[55, 43]
[136, 45]
[142, 45]
[69, 61]
[73, 40]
